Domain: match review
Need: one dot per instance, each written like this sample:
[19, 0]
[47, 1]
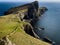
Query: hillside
[13, 28]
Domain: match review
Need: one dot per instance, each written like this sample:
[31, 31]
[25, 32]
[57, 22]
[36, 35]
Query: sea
[50, 20]
[4, 6]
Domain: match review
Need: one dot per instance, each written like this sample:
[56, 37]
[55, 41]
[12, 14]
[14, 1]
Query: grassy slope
[8, 24]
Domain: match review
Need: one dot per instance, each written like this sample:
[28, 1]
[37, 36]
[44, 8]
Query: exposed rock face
[43, 10]
[6, 41]
[40, 12]
[30, 30]
[20, 16]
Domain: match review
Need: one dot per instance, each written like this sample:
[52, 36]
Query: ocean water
[49, 20]
[4, 6]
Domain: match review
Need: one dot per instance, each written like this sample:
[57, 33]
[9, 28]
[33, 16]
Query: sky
[29, 0]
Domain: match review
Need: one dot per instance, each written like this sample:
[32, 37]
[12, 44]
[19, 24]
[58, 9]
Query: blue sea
[4, 6]
[50, 20]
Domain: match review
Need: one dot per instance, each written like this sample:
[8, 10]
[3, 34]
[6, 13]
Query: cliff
[30, 10]
[12, 32]
[16, 30]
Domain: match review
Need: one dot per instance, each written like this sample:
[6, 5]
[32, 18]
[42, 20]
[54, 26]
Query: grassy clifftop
[9, 24]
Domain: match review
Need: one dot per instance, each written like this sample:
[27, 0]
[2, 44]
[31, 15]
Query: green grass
[8, 24]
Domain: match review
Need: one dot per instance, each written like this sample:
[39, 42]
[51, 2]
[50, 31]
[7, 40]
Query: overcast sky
[29, 0]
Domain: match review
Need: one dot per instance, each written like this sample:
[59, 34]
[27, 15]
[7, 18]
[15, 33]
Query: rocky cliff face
[6, 41]
[29, 11]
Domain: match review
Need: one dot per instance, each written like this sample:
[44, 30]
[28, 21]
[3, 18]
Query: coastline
[22, 17]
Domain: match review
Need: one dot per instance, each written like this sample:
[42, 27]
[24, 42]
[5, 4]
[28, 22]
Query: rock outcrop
[6, 41]
[42, 10]
[30, 30]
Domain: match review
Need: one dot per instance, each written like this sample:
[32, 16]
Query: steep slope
[11, 26]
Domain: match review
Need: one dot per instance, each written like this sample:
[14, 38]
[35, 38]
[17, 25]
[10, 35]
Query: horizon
[29, 0]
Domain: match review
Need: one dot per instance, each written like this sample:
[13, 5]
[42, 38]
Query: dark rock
[46, 39]
[42, 10]
[5, 41]
[30, 30]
